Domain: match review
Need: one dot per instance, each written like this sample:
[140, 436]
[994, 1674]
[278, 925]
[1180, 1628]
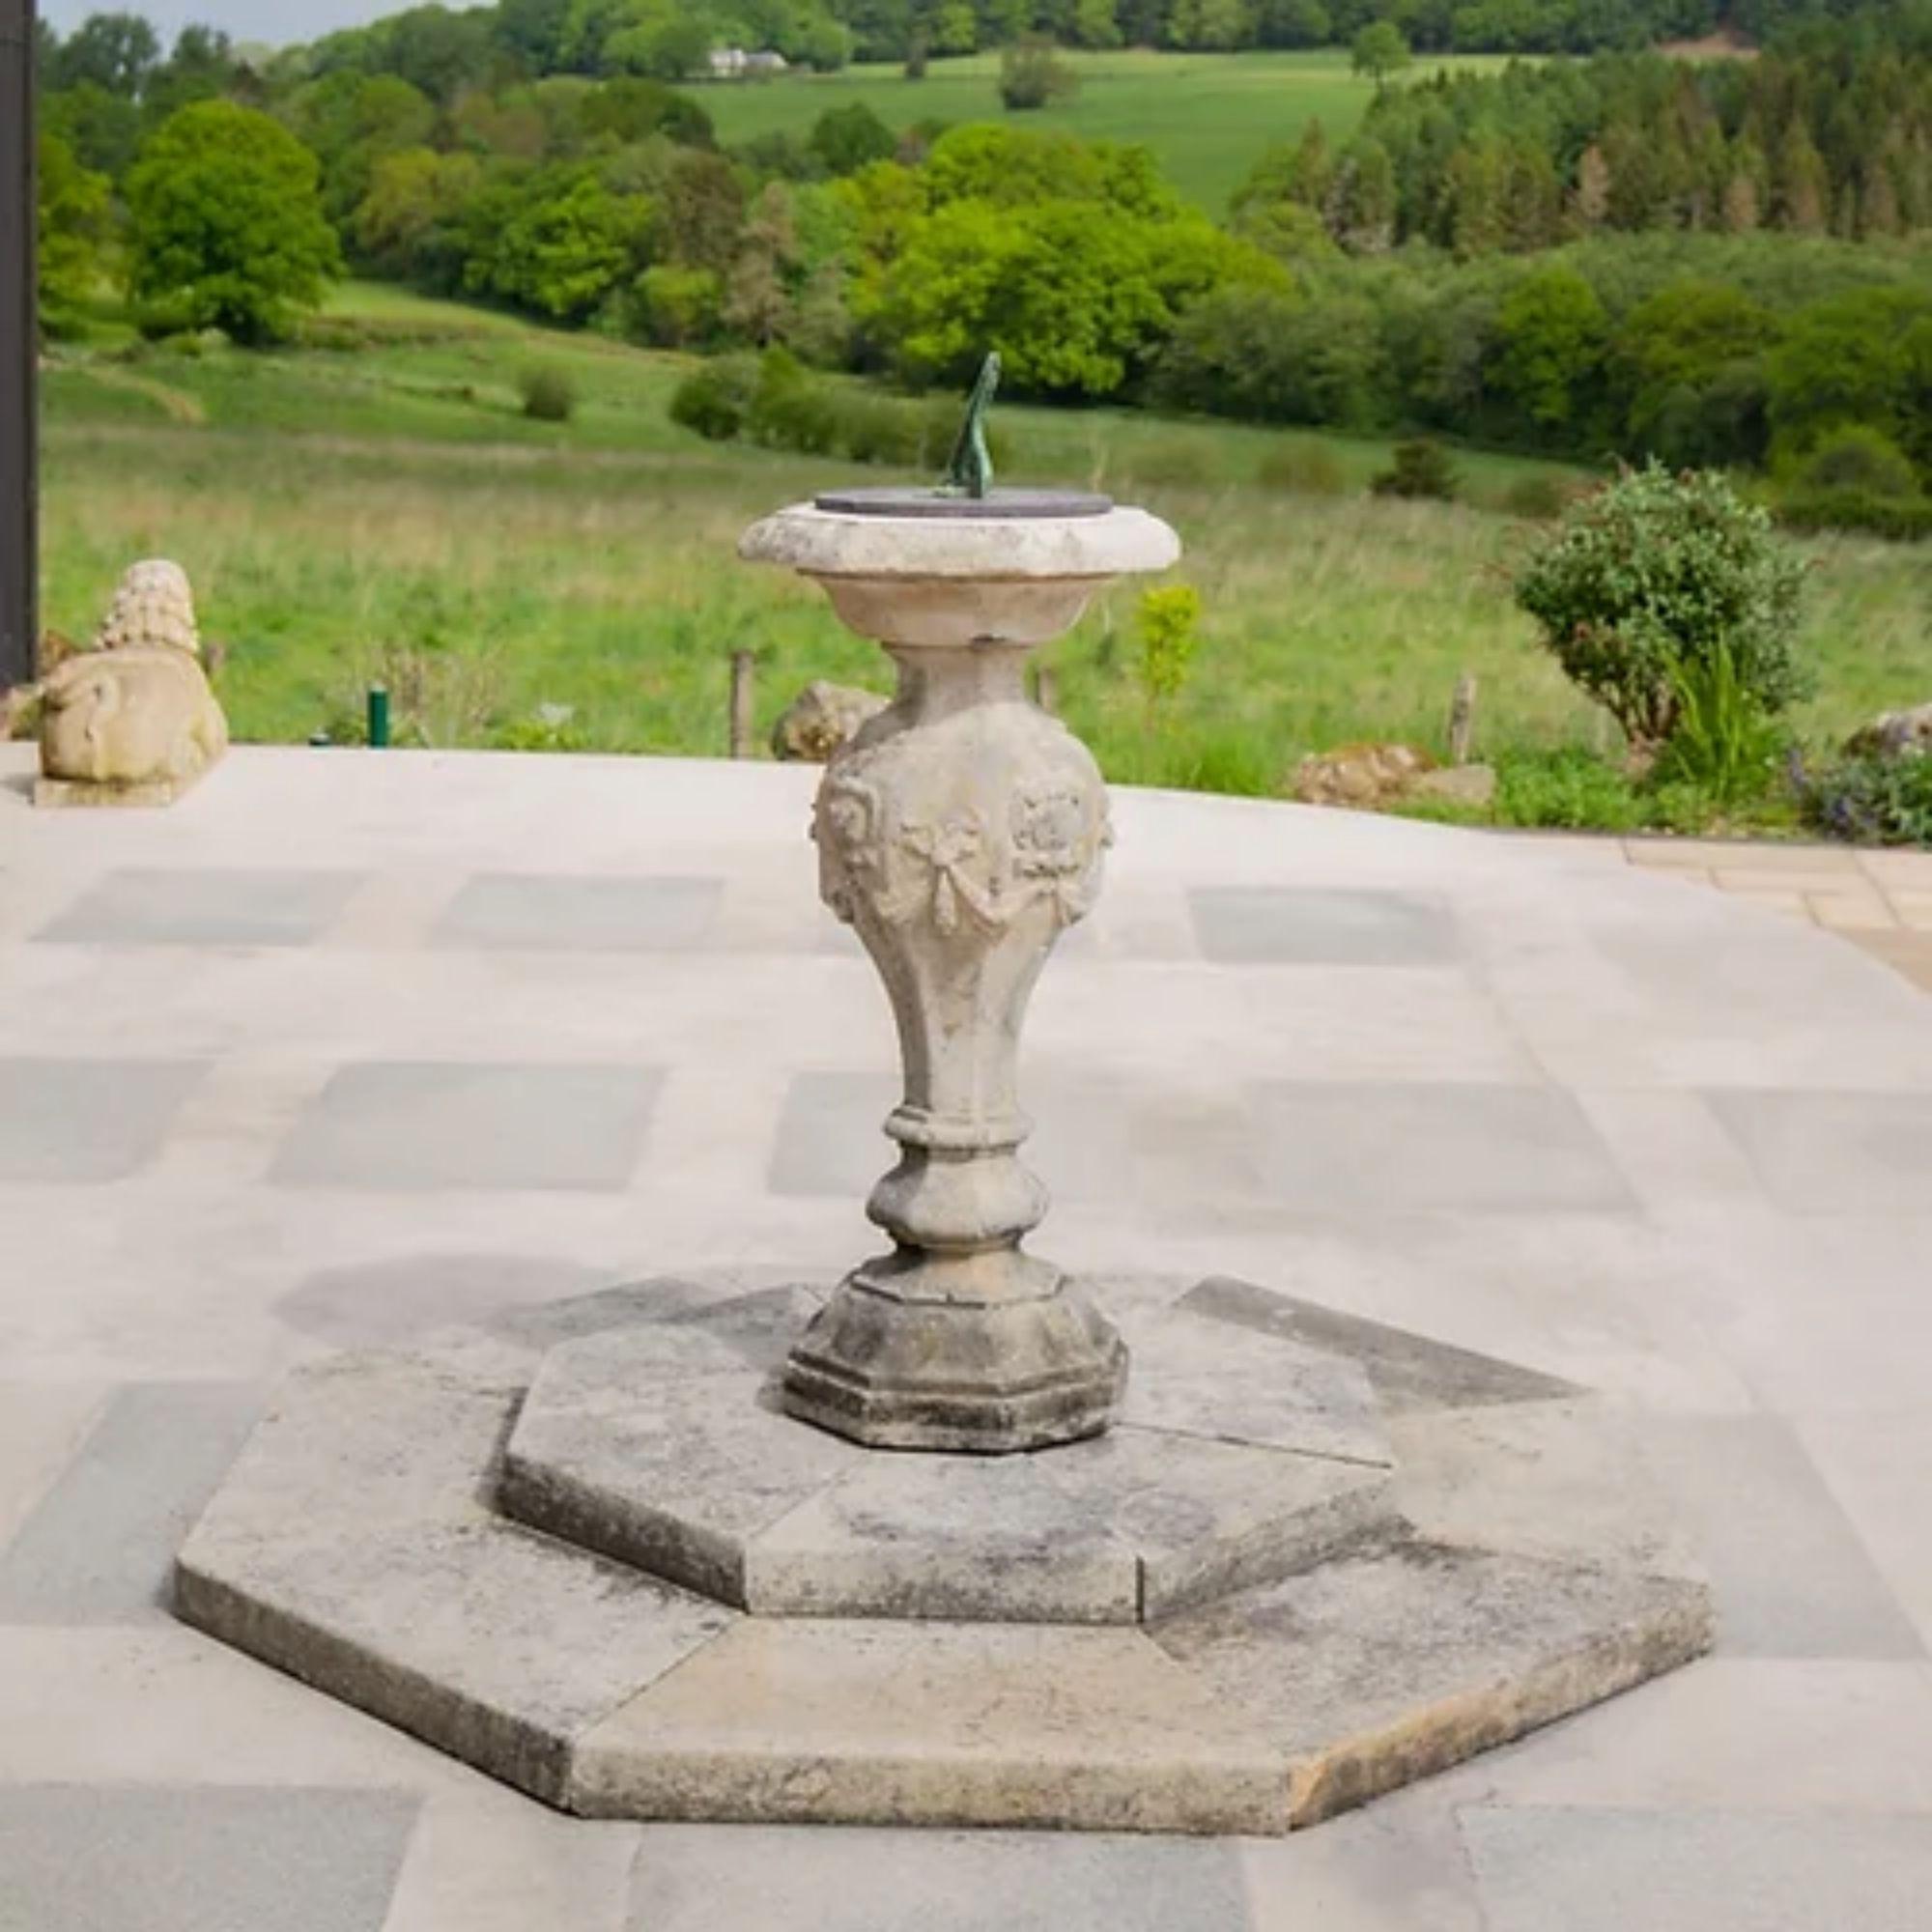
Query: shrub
[1421, 468]
[715, 400]
[549, 393]
[1899, 519]
[1569, 790]
[1648, 579]
[1032, 75]
[881, 429]
[1858, 458]
[1168, 621]
[1874, 800]
[1303, 469]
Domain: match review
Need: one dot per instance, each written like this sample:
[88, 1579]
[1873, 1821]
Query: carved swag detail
[953, 868]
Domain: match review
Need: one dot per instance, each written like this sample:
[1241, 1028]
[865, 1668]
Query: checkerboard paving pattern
[347, 1048]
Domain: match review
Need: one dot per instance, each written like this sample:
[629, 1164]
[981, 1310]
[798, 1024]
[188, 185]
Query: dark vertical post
[744, 702]
[19, 350]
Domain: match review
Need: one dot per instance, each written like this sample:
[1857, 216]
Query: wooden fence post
[744, 702]
[1463, 719]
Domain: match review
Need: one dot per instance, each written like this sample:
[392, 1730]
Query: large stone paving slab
[100, 1545]
[1414, 1147]
[199, 1858]
[200, 906]
[693, 1878]
[1700, 1871]
[542, 912]
[460, 1125]
[87, 1121]
[1270, 925]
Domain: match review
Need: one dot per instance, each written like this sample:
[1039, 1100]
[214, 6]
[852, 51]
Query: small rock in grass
[821, 719]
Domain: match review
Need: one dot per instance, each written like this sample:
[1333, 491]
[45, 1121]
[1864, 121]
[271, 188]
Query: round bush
[1860, 458]
[1659, 580]
[715, 400]
[550, 395]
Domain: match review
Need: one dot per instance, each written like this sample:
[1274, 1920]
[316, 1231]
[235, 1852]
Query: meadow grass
[386, 513]
[1207, 115]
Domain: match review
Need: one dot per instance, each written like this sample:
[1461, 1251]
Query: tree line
[1830, 138]
[1588, 319]
[444, 52]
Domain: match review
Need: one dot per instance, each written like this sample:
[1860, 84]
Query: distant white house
[736, 64]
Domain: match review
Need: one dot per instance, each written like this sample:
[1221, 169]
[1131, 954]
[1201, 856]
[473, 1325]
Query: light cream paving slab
[487, 1861]
[1724, 855]
[226, 1131]
[1799, 876]
[395, 910]
[1792, 1735]
[1909, 871]
[1852, 912]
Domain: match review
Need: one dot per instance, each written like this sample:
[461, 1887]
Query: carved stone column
[959, 833]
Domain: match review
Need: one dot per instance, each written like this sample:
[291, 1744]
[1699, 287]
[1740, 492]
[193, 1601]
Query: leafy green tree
[1551, 332]
[73, 230]
[1662, 585]
[678, 308]
[1857, 358]
[228, 230]
[1380, 52]
[1683, 358]
[570, 247]
[409, 224]
[1096, 23]
[115, 53]
[703, 212]
[103, 129]
[1214, 26]
[846, 139]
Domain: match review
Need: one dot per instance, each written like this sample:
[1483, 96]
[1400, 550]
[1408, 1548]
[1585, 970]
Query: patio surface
[349, 1046]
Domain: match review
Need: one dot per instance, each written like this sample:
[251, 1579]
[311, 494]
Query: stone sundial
[664, 1553]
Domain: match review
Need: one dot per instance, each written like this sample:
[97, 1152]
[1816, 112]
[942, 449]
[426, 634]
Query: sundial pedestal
[959, 833]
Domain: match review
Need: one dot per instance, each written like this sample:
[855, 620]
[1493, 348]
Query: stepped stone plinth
[920, 1548]
[1157, 1631]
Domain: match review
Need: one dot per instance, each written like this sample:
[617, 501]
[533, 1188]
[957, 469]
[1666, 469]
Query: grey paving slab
[1410, 1374]
[1333, 1149]
[1589, 1870]
[1835, 1152]
[98, 1547]
[542, 912]
[200, 1858]
[203, 907]
[79, 1121]
[1791, 1577]
[695, 1878]
[1397, 1867]
[1268, 926]
[404, 1124]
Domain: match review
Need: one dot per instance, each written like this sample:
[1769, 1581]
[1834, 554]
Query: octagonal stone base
[1239, 1458]
[1203, 1651]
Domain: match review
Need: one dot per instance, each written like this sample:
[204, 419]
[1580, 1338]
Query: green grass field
[386, 513]
[1207, 115]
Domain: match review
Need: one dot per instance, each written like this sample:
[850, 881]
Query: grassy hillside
[1207, 115]
[383, 510]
